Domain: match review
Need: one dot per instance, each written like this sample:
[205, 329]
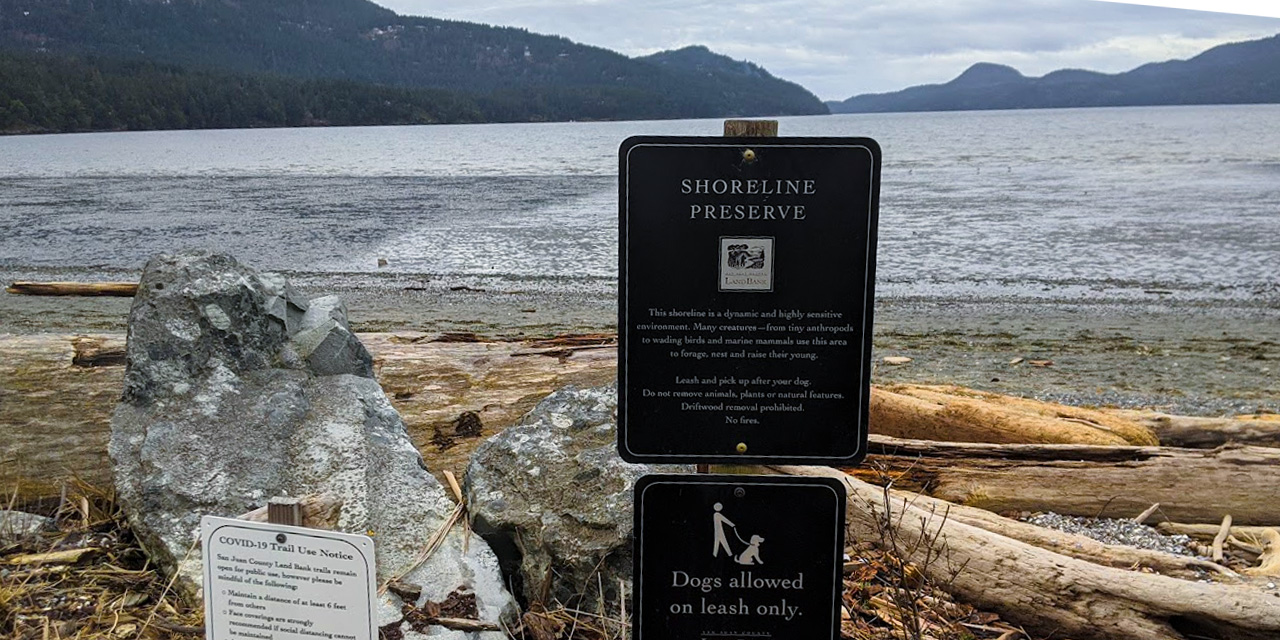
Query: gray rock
[285, 303]
[553, 498]
[323, 309]
[324, 339]
[16, 526]
[221, 413]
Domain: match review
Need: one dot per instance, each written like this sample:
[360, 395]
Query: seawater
[1116, 203]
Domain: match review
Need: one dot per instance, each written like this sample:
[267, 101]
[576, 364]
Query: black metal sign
[737, 557]
[746, 268]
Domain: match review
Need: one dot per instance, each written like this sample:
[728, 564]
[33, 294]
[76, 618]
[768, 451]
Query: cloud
[838, 48]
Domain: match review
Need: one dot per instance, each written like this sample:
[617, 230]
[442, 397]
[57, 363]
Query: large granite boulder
[238, 389]
[553, 498]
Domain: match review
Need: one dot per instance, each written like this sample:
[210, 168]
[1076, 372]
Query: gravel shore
[1190, 357]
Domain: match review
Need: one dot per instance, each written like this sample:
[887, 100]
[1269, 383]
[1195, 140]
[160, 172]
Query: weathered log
[1206, 531]
[56, 418]
[113, 289]
[1069, 544]
[957, 414]
[1191, 485]
[1047, 592]
[1261, 430]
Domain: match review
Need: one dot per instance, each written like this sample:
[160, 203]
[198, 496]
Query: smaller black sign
[738, 557]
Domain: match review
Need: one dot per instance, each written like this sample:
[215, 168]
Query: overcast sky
[839, 48]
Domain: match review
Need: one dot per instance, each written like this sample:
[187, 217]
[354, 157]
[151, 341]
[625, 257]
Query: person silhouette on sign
[721, 540]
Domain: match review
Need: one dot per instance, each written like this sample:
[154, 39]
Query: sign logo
[746, 263]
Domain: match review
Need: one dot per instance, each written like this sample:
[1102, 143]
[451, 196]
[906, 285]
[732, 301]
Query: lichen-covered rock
[16, 526]
[554, 499]
[222, 411]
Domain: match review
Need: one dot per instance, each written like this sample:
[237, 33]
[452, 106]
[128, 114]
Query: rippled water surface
[1179, 201]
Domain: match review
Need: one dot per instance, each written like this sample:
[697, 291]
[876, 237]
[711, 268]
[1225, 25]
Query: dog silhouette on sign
[752, 554]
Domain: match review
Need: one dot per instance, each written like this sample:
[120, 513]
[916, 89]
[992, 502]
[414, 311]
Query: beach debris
[1018, 360]
[442, 439]
[468, 425]
[1224, 530]
[382, 262]
[463, 287]
[554, 487]
[224, 408]
[109, 289]
[563, 347]
[16, 526]
[896, 360]
[97, 352]
[1040, 363]
[457, 336]
[108, 587]
[1204, 531]
[1269, 560]
[62, 556]
[408, 592]
[1147, 513]
[577, 340]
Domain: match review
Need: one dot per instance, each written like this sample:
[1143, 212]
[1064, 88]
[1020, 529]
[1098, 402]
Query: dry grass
[888, 599]
[88, 579]
[95, 582]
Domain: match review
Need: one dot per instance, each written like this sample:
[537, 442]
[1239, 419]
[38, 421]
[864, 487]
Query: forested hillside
[40, 93]
[507, 73]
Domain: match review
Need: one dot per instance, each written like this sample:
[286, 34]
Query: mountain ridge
[1233, 73]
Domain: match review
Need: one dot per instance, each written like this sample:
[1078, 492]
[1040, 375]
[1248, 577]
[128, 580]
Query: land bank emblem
[746, 263]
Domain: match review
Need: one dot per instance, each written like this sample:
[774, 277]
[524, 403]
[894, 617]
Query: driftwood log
[1206, 433]
[957, 414]
[1076, 546]
[1048, 592]
[1206, 531]
[55, 416]
[1191, 485]
[114, 289]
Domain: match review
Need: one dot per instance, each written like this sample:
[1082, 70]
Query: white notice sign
[273, 582]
